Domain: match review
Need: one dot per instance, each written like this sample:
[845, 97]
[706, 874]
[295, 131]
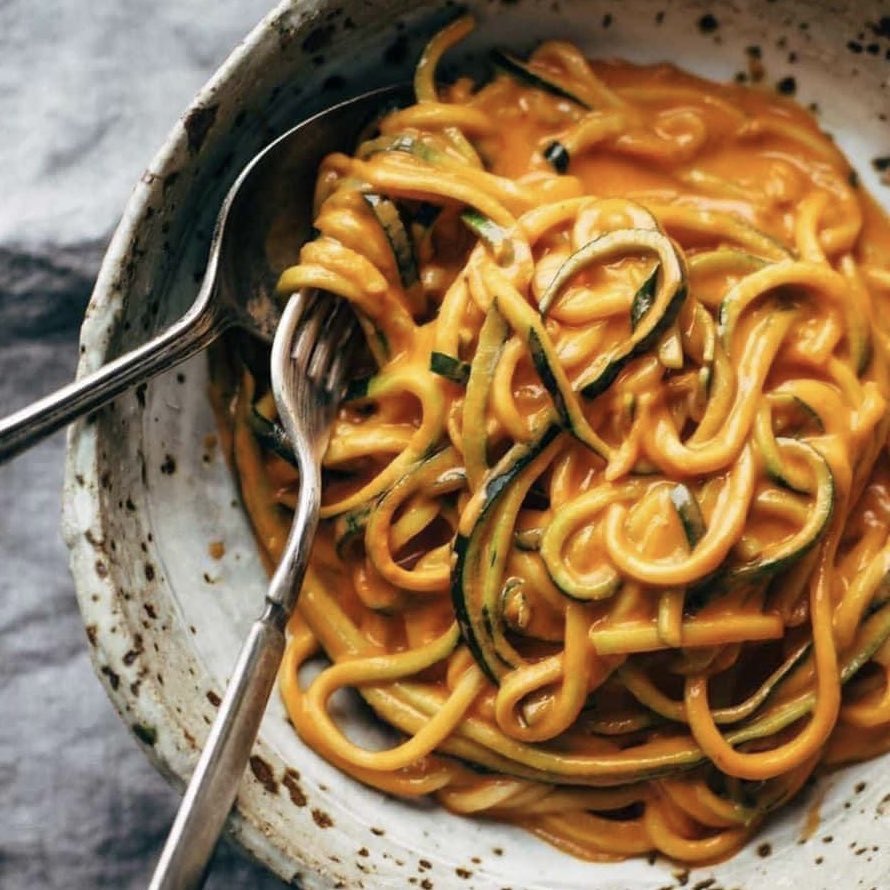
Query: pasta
[605, 529]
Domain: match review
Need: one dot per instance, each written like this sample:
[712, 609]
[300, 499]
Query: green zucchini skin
[545, 372]
[389, 217]
[772, 459]
[872, 635]
[521, 72]
[404, 143]
[689, 511]
[349, 525]
[616, 365]
[809, 416]
[758, 570]
[558, 157]
[664, 292]
[606, 586]
[475, 621]
[822, 511]
[643, 299]
[495, 238]
[630, 350]
[527, 324]
[450, 368]
[654, 309]
[272, 436]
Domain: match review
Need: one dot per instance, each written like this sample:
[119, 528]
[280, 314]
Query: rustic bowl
[147, 492]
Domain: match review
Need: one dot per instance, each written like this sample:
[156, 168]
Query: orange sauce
[608, 565]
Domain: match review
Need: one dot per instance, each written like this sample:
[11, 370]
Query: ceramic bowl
[150, 505]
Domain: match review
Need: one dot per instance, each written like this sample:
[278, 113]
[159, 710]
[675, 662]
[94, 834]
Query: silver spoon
[275, 188]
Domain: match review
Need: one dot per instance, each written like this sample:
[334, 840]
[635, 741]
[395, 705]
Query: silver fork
[310, 358]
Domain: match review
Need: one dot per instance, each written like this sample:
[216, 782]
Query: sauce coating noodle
[605, 532]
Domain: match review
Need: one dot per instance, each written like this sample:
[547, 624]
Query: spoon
[273, 194]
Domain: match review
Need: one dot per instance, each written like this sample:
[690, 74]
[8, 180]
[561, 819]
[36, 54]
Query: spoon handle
[186, 337]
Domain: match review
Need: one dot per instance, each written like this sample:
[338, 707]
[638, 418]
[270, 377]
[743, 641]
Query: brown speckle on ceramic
[291, 781]
[321, 818]
[146, 734]
[708, 23]
[148, 488]
[216, 550]
[197, 124]
[263, 773]
[132, 654]
[787, 86]
[91, 538]
[114, 679]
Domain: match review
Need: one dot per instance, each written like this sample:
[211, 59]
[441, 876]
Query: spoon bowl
[267, 214]
[265, 218]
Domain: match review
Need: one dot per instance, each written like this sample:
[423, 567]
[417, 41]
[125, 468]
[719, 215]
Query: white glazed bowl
[147, 491]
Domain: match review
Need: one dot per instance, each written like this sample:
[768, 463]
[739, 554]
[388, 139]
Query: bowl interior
[167, 573]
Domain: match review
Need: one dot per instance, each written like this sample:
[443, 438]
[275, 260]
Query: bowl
[166, 571]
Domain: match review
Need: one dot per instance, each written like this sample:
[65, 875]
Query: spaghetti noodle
[605, 532]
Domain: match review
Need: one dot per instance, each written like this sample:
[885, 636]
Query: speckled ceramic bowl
[163, 558]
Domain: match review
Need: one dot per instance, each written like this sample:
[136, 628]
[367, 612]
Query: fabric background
[88, 90]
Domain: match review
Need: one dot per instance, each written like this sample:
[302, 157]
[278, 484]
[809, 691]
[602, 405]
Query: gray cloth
[88, 89]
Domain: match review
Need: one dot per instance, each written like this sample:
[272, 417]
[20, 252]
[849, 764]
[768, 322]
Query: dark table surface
[88, 90]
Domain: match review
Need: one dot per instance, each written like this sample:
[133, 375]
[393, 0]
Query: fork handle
[214, 784]
[186, 337]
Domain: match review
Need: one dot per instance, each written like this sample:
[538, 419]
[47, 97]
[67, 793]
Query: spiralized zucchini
[605, 531]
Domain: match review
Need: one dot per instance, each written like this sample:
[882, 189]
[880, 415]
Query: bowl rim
[82, 506]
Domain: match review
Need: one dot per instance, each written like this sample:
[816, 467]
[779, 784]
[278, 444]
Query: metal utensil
[310, 355]
[273, 193]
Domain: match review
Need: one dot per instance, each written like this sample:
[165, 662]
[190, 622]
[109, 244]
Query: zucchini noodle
[604, 534]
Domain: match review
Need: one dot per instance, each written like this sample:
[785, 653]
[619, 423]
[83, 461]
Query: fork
[310, 357]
